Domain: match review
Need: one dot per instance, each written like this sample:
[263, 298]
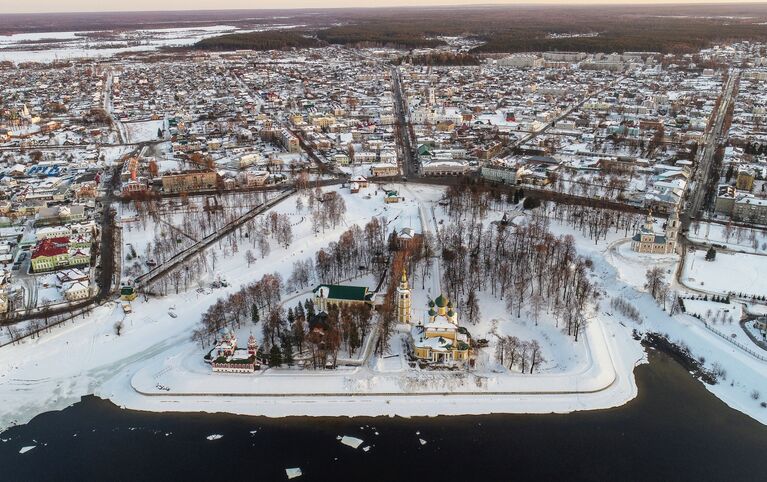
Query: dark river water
[674, 430]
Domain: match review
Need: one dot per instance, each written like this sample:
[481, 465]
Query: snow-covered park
[736, 238]
[154, 364]
[727, 273]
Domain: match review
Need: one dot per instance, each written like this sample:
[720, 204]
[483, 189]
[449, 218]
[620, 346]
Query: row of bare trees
[357, 251]
[595, 222]
[512, 352]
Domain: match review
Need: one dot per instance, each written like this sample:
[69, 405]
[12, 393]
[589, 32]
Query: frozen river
[55, 46]
[674, 430]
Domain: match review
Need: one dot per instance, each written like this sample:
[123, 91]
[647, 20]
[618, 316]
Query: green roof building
[325, 295]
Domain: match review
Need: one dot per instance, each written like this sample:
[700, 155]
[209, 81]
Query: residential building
[189, 181]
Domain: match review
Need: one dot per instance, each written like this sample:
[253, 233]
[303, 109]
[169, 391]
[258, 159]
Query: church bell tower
[403, 300]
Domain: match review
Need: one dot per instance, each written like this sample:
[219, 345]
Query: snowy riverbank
[154, 348]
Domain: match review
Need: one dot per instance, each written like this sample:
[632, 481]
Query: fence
[70, 316]
[736, 343]
[158, 271]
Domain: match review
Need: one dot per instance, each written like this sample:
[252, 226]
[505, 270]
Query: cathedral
[441, 339]
[648, 241]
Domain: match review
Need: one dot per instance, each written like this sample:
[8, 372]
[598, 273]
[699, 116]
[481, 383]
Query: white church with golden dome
[440, 339]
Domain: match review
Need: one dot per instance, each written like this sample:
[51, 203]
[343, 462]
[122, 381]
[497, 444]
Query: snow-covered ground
[728, 273]
[85, 356]
[25, 47]
[632, 266]
[144, 131]
[750, 240]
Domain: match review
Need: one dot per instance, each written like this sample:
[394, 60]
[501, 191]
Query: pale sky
[49, 6]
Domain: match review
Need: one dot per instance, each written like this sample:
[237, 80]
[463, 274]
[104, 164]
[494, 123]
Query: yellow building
[648, 241]
[441, 340]
[128, 293]
[57, 253]
[745, 180]
[323, 121]
[403, 300]
[189, 181]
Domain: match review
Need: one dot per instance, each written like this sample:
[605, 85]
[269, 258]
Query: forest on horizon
[512, 28]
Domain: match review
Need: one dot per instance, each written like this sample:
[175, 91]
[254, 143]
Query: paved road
[711, 141]
[109, 108]
[145, 281]
[410, 165]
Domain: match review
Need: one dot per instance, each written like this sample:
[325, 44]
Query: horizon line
[502, 4]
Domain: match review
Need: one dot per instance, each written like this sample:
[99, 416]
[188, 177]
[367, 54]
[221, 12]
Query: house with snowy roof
[76, 290]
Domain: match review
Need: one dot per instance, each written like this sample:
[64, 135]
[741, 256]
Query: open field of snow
[728, 273]
[143, 131]
[632, 266]
[748, 240]
[86, 356]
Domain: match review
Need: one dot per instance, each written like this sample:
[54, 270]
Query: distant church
[648, 241]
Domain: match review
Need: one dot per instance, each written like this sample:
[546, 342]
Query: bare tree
[655, 280]
[536, 358]
[263, 245]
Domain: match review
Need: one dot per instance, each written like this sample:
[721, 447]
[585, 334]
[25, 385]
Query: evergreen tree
[531, 203]
[287, 350]
[309, 306]
[354, 338]
[254, 314]
[393, 244]
[275, 356]
[710, 254]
